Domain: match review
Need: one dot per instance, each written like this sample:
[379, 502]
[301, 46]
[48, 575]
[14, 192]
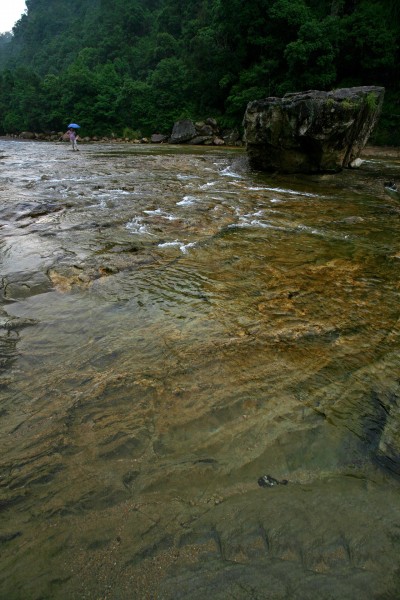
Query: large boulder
[183, 131]
[311, 131]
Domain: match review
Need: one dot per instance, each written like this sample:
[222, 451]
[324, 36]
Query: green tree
[171, 97]
[134, 104]
[311, 59]
[143, 63]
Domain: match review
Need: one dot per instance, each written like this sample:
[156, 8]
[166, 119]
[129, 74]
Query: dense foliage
[138, 65]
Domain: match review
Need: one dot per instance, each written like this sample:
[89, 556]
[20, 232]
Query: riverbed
[173, 328]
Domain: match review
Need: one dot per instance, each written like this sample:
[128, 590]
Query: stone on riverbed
[19, 285]
[311, 131]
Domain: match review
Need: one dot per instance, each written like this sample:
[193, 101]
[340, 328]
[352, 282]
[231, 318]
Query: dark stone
[158, 138]
[41, 209]
[204, 130]
[27, 135]
[268, 481]
[212, 122]
[16, 323]
[201, 139]
[311, 131]
[231, 138]
[183, 131]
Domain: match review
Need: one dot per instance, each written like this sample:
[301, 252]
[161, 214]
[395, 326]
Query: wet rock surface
[179, 329]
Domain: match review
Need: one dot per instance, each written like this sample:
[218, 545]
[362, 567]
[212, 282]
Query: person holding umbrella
[72, 127]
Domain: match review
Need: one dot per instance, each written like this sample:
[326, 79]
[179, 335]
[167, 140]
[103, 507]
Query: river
[173, 328]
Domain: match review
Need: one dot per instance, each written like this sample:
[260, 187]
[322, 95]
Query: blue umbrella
[73, 126]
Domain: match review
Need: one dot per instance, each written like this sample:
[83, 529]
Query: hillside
[138, 65]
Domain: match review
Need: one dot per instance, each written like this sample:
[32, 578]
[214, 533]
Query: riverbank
[368, 152]
[204, 133]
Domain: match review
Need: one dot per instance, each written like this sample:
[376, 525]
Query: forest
[134, 67]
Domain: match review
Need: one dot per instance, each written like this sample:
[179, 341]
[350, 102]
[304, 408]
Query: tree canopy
[142, 64]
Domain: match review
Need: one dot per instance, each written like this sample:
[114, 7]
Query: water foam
[187, 201]
[176, 243]
[136, 226]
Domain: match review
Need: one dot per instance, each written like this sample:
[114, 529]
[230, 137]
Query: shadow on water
[175, 327]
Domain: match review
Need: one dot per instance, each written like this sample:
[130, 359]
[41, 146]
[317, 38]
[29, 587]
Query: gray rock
[231, 137]
[19, 285]
[311, 131]
[204, 130]
[27, 135]
[201, 139]
[183, 131]
[212, 122]
[158, 138]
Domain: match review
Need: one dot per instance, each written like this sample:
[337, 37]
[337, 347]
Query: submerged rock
[19, 285]
[269, 481]
[311, 131]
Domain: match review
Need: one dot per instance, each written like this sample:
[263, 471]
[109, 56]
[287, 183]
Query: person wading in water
[72, 138]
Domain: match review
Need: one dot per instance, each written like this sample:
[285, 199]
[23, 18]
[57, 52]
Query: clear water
[175, 326]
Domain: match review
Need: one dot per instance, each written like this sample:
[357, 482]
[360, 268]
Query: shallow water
[174, 326]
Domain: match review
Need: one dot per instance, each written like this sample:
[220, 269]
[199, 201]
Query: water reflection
[176, 326]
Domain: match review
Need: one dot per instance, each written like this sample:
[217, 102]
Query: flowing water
[173, 327]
